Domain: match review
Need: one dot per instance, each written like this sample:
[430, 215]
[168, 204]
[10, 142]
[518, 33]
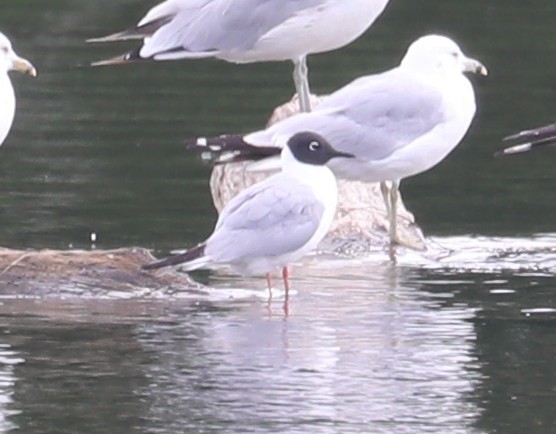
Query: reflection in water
[75, 376]
[433, 346]
[8, 359]
[359, 357]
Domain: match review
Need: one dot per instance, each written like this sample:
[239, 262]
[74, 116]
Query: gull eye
[5, 50]
[313, 146]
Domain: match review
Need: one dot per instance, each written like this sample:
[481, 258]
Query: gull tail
[531, 139]
[229, 149]
[194, 257]
[134, 33]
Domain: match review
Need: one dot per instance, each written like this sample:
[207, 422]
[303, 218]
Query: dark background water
[465, 347]
[101, 149]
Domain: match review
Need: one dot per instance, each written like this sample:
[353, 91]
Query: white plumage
[9, 61]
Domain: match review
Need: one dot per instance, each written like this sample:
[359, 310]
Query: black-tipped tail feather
[190, 255]
[229, 148]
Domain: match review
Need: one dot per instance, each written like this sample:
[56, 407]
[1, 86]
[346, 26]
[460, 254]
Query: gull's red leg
[269, 284]
[286, 277]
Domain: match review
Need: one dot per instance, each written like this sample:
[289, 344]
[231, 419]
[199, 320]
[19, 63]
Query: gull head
[10, 61]
[313, 149]
[439, 54]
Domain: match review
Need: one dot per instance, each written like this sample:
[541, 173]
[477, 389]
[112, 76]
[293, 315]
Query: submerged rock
[83, 272]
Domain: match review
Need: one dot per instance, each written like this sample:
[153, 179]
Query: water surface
[460, 339]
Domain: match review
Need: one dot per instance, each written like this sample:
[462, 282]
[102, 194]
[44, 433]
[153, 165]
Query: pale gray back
[271, 218]
[225, 25]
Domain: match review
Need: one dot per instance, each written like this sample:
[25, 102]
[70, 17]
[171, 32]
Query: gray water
[460, 339]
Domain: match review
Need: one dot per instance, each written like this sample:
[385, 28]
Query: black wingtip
[182, 258]
[129, 57]
[225, 142]
[134, 33]
[125, 35]
[514, 150]
[544, 132]
[546, 142]
[229, 149]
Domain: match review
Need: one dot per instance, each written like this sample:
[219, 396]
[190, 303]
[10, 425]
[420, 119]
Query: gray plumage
[397, 124]
[366, 119]
[243, 31]
[223, 26]
[272, 219]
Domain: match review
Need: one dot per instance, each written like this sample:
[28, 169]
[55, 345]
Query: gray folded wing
[222, 25]
[272, 218]
[371, 118]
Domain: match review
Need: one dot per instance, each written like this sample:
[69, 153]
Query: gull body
[275, 222]
[243, 31]
[397, 124]
[9, 61]
[529, 140]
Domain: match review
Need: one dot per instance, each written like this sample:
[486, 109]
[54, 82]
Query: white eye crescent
[313, 146]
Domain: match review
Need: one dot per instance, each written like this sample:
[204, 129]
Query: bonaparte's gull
[275, 222]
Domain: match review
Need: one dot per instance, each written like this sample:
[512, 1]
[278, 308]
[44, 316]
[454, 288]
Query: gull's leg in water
[385, 191]
[301, 81]
[269, 285]
[393, 230]
[390, 195]
[286, 277]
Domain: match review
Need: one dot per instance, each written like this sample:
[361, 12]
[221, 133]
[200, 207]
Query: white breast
[7, 106]
[322, 182]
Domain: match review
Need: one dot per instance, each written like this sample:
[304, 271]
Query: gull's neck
[303, 171]
[320, 179]
[322, 182]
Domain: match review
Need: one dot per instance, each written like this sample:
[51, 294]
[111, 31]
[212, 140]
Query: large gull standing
[243, 31]
[9, 61]
[397, 124]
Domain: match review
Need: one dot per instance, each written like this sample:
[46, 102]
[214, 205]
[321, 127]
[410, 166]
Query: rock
[83, 272]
